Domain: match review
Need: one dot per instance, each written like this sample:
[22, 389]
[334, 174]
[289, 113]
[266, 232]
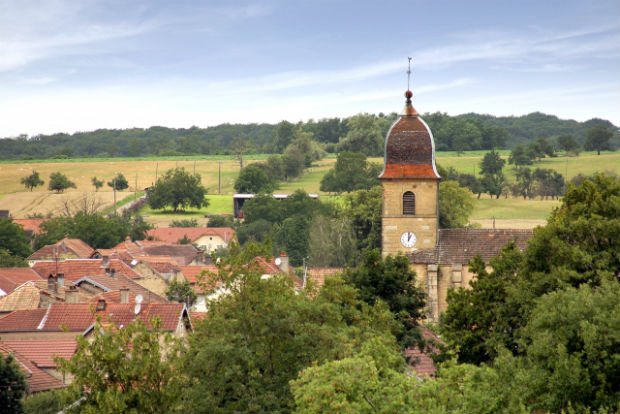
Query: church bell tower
[410, 215]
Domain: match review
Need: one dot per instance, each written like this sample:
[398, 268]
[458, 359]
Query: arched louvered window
[408, 203]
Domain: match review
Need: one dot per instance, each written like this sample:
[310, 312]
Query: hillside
[452, 133]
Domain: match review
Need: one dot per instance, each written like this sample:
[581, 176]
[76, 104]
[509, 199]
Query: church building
[410, 215]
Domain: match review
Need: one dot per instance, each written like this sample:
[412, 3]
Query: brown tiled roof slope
[61, 317]
[74, 269]
[65, 248]
[174, 234]
[32, 226]
[127, 250]
[38, 380]
[459, 246]
[118, 282]
[11, 277]
[409, 149]
[42, 352]
[421, 361]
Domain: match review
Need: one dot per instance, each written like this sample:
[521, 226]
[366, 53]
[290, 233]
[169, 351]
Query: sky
[68, 66]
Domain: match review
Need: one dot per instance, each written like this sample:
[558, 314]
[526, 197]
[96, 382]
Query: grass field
[142, 172]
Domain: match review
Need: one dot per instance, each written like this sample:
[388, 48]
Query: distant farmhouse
[410, 215]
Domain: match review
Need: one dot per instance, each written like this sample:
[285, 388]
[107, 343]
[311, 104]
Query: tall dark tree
[254, 179]
[118, 183]
[351, 172]
[13, 239]
[13, 384]
[32, 181]
[96, 183]
[390, 280]
[597, 139]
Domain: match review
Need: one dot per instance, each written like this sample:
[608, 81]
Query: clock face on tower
[408, 239]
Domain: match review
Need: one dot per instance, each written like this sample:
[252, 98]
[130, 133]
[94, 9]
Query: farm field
[142, 172]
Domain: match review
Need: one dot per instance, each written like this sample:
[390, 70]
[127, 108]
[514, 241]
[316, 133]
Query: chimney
[105, 262]
[60, 279]
[100, 305]
[283, 262]
[51, 284]
[71, 295]
[124, 295]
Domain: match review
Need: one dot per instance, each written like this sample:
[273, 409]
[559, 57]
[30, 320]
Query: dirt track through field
[22, 204]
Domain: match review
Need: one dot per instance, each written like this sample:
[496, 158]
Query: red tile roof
[420, 360]
[182, 253]
[60, 317]
[43, 352]
[459, 246]
[30, 225]
[174, 234]
[118, 282]
[38, 380]
[11, 277]
[191, 273]
[65, 248]
[74, 269]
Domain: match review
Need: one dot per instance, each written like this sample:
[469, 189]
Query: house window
[409, 203]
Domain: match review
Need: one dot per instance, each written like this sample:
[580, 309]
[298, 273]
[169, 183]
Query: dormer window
[408, 203]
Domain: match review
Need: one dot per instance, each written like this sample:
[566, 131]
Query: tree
[13, 384]
[132, 369]
[367, 383]
[97, 183]
[575, 363]
[181, 292]
[331, 242]
[549, 183]
[364, 136]
[569, 144]
[283, 135]
[390, 280]
[239, 148]
[221, 221]
[9, 260]
[520, 156]
[455, 205]
[94, 229]
[59, 182]
[525, 183]
[492, 163]
[32, 181]
[13, 239]
[254, 179]
[597, 139]
[262, 334]
[118, 183]
[351, 172]
[474, 323]
[178, 189]
[364, 209]
[294, 162]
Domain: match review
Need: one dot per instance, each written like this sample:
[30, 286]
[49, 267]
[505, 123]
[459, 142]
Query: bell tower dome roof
[409, 147]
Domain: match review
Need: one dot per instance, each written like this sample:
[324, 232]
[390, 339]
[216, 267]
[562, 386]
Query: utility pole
[114, 190]
[135, 191]
[156, 167]
[219, 178]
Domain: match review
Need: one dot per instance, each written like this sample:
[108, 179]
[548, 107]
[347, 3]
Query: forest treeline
[360, 133]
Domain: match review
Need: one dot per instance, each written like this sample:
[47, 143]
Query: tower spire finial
[409, 73]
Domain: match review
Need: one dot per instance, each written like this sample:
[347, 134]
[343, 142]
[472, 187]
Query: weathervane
[409, 73]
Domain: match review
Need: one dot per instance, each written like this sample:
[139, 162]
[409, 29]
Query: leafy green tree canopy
[96, 183]
[598, 138]
[118, 183]
[455, 205]
[32, 181]
[13, 238]
[254, 179]
[59, 182]
[351, 172]
[178, 189]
